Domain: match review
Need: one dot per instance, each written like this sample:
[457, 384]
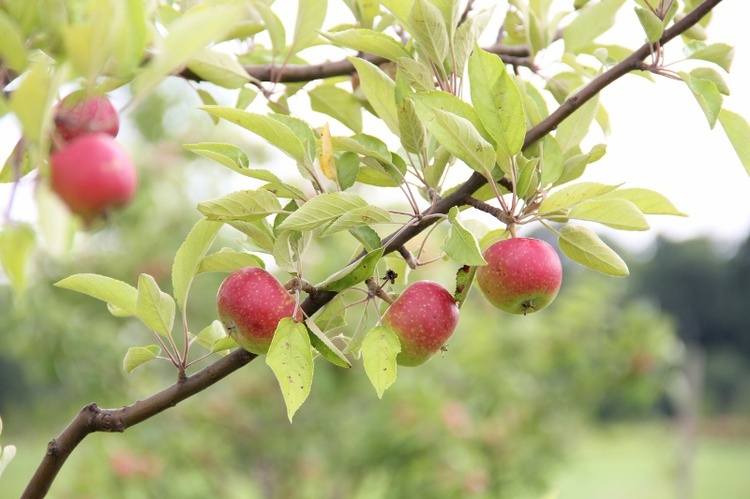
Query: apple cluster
[522, 276]
[89, 170]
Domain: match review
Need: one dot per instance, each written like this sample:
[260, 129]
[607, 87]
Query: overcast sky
[660, 138]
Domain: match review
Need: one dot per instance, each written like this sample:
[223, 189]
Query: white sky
[660, 137]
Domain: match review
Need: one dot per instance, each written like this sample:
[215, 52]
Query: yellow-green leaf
[582, 245]
[156, 309]
[290, 359]
[616, 213]
[379, 351]
[573, 194]
[118, 293]
[136, 356]
[738, 132]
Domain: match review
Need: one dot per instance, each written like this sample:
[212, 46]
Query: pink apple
[522, 275]
[424, 316]
[251, 302]
[80, 114]
[93, 174]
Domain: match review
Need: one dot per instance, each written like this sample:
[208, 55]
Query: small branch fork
[94, 419]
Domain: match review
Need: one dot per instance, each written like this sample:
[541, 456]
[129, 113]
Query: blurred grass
[639, 460]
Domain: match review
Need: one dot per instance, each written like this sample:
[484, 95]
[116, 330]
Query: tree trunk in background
[687, 403]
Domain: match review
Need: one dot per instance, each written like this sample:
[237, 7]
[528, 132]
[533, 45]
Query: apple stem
[377, 290]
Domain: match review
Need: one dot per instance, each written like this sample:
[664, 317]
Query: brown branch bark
[93, 419]
[516, 55]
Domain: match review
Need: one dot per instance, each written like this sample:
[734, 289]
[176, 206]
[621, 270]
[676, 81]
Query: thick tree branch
[93, 419]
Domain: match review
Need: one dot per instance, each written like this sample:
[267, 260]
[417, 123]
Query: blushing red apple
[424, 316]
[93, 174]
[251, 302]
[80, 113]
[522, 275]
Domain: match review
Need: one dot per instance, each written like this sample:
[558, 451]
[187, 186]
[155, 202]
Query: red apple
[93, 174]
[424, 316]
[522, 275]
[251, 302]
[79, 114]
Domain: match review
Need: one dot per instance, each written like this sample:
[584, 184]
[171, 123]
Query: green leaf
[337, 103]
[399, 8]
[188, 258]
[411, 130]
[286, 250]
[582, 245]
[236, 160]
[707, 94]
[459, 137]
[155, 308]
[30, 102]
[290, 359]
[380, 91]
[418, 75]
[367, 237]
[593, 20]
[228, 260]
[310, 17]
[711, 74]
[429, 30]
[363, 144]
[369, 41]
[274, 27]
[461, 244]
[17, 242]
[358, 217]
[219, 68]
[223, 345]
[466, 38]
[347, 168]
[652, 25]
[333, 315]
[648, 202]
[552, 160]
[12, 49]
[574, 128]
[18, 165]
[446, 102]
[616, 213]
[228, 155]
[276, 133]
[720, 54]
[379, 351]
[260, 236]
[572, 195]
[353, 273]
[120, 294]
[321, 209]
[464, 282]
[497, 101]
[738, 132]
[189, 34]
[136, 356]
[325, 347]
[211, 334]
[246, 206]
